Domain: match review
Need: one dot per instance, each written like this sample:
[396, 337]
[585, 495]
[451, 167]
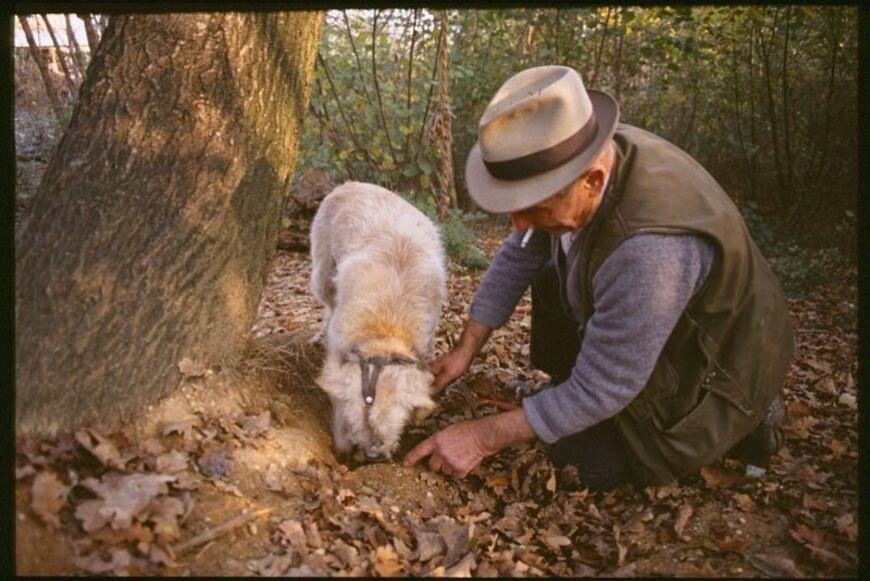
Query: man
[666, 334]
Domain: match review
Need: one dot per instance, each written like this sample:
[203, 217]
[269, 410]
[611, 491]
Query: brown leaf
[727, 544]
[273, 565]
[186, 480]
[256, 425]
[161, 555]
[681, 519]
[385, 562]
[174, 461]
[122, 497]
[102, 449]
[164, 515]
[24, 471]
[190, 369]
[292, 532]
[47, 497]
[215, 460]
[463, 568]
[556, 541]
[774, 565]
[718, 477]
[429, 545]
[93, 563]
[827, 385]
[846, 524]
[827, 557]
[136, 533]
[456, 536]
[798, 409]
[183, 427]
[745, 502]
[272, 478]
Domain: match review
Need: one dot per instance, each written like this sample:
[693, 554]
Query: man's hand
[450, 366]
[459, 448]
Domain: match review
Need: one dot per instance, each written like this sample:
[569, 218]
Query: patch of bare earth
[234, 474]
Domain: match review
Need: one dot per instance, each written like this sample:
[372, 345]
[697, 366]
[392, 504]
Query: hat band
[546, 159]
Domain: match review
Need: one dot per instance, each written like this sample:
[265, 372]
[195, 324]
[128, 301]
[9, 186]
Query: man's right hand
[448, 367]
[451, 365]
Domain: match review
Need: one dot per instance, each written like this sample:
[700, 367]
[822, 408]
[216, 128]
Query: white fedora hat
[538, 134]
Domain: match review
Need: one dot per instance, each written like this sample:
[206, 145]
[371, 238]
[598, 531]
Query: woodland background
[765, 98]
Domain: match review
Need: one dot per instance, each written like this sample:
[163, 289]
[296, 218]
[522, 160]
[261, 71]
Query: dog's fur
[378, 268]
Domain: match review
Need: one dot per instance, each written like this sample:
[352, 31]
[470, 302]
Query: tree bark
[151, 233]
[50, 89]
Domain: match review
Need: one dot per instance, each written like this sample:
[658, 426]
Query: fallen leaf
[122, 497]
[215, 460]
[190, 369]
[718, 477]
[798, 409]
[827, 385]
[622, 551]
[24, 472]
[256, 425]
[385, 562]
[174, 461]
[47, 497]
[774, 565]
[429, 545]
[681, 519]
[183, 427]
[93, 563]
[272, 478]
[745, 502]
[164, 515]
[101, 448]
[846, 524]
[556, 541]
[135, 533]
[463, 568]
[273, 565]
[292, 532]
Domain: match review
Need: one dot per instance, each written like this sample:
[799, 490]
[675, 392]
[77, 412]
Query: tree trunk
[61, 58]
[50, 89]
[91, 32]
[151, 233]
[76, 50]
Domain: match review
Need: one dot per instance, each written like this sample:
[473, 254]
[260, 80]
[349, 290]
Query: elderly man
[665, 333]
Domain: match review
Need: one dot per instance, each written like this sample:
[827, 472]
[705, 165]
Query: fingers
[419, 451]
[436, 462]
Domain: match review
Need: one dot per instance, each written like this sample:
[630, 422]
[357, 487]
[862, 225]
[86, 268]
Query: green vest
[726, 359]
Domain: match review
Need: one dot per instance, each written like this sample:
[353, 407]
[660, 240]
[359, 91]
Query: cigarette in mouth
[526, 237]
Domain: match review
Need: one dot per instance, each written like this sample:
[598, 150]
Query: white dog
[378, 269]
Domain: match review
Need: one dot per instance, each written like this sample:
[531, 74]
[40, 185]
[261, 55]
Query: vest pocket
[720, 399]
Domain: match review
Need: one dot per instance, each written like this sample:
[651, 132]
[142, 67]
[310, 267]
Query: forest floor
[234, 474]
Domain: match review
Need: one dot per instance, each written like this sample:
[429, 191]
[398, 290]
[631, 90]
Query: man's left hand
[459, 448]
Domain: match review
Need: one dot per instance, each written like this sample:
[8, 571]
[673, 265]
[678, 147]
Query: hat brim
[498, 196]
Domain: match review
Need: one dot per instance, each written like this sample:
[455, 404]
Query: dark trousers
[598, 452]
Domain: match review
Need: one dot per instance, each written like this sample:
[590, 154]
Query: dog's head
[401, 394]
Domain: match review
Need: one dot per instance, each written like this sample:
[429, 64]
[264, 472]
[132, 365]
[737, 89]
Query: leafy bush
[458, 238]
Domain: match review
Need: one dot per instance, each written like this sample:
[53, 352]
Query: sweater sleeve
[509, 275]
[639, 293]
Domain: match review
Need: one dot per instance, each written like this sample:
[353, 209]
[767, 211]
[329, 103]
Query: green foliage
[764, 97]
[458, 239]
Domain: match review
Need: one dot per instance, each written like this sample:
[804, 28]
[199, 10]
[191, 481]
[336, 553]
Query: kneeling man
[665, 333]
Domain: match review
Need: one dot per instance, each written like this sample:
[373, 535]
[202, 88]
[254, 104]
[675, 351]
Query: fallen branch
[220, 530]
[502, 405]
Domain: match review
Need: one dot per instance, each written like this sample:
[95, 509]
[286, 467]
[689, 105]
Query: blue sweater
[638, 293]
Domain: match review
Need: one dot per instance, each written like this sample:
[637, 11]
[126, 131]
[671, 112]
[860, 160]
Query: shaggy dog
[378, 269]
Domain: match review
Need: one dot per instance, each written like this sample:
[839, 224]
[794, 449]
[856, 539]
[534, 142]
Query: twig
[220, 530]
[502, 405]
[378, 87]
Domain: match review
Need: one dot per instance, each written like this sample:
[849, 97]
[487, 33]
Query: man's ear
[594, 178]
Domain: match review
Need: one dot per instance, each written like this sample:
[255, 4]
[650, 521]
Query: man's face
[571, 208]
